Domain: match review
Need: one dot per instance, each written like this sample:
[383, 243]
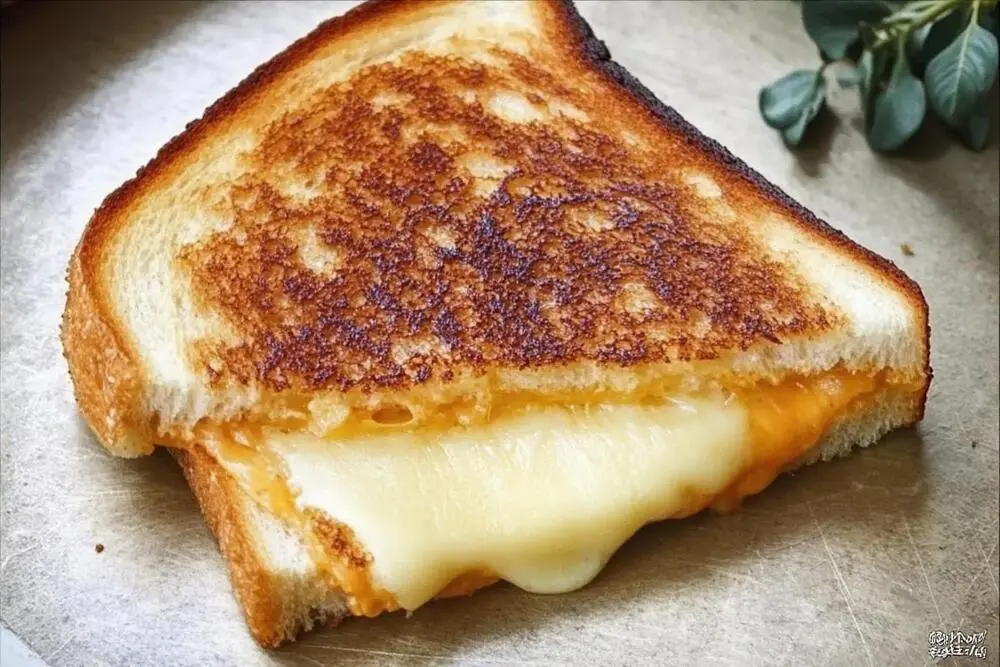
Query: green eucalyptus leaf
[782, 103]
[976, 131]
[852, 77]
[945, 31]
[834, 24]
[793, 134]
[877, 67]
[898, 110]
[961, 74]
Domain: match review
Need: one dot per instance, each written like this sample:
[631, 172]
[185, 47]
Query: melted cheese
[541, 497]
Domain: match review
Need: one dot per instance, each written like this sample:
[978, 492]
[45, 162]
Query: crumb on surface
[99, 548]
[907, 249]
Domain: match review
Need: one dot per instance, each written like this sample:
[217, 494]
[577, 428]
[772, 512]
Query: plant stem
[938, 11]
[912, 11]
[904, 22]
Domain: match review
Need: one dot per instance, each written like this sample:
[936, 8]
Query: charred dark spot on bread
[456, 217]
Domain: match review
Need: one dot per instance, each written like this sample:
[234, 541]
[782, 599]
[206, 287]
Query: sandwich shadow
[814, 151]
[663, 570]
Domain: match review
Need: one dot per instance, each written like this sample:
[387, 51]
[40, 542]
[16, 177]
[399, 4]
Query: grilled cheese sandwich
[442, 296]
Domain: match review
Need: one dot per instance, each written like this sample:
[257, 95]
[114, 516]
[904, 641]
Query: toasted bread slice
[430, 203]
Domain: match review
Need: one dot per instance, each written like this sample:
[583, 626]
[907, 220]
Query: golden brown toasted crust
[102, 360]
[105, 378]
[220, 499]
[427, 279]
[255, 582]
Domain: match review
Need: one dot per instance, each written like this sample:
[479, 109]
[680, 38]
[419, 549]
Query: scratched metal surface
[849, 563]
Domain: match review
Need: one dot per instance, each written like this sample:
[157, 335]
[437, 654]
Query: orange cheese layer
[787, 420]
[781, 423]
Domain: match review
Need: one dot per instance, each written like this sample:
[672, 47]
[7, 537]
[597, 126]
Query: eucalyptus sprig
[905, 57]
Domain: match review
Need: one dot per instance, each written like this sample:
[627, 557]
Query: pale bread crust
[223, 505]
[111, 384]
[105, 377]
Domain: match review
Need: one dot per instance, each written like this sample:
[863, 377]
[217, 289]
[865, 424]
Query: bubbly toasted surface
[439, 212]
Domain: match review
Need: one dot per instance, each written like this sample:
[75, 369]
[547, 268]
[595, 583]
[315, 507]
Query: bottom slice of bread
[279, 585]
[272, 573]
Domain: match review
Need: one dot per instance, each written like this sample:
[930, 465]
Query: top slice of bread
[419, 198]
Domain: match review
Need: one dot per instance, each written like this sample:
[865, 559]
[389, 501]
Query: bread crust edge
[106, 380]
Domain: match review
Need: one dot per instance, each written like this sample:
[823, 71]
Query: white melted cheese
[541, 499]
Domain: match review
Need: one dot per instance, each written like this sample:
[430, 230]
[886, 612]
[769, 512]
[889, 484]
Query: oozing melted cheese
[541, 497]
